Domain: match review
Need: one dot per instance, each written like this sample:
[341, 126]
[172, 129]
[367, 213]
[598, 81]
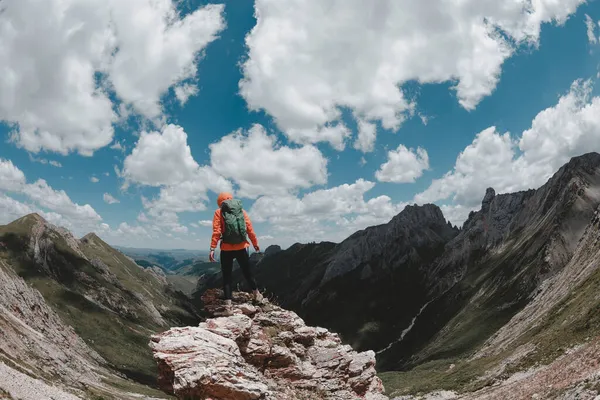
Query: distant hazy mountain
[168, 260]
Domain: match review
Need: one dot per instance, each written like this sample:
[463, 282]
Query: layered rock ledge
[264, 352]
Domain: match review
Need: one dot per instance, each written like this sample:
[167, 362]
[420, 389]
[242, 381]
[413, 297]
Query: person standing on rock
[231, 224]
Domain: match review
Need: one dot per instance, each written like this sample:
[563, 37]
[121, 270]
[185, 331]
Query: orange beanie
[222, 197]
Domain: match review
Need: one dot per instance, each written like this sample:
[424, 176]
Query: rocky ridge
[505, 253]
[261, 351]
[76, 313]
[413, 228]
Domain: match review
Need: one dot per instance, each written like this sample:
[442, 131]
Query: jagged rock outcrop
[261, 352]
[158, 273]
[414, 228]
[272, 250]
[256, 258]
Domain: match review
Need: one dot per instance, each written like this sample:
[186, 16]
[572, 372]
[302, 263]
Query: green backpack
[234, 231]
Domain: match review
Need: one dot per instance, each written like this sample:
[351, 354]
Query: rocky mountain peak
[583, 161]
[33, 217]
[261, 351]
[490, 193]
[573, 176]
[412, 227]
[28, 221]
[91, 236]
[42, 237]
[419, 215]
[94, 240]
[272, 249]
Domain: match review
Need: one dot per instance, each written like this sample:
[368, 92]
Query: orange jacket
[218, 226]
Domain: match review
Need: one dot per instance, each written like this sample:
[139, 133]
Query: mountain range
[505, 306]
[443, 306]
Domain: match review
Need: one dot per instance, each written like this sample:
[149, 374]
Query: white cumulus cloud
[164, 159]
[260, 166]
[12, 179]
[309, 59]
[11, 209]
[160, 158]
[184, 92]
[109, 199]
[403, 165]
[61, 61]
[125, 229]
[367, 134]
[325, 214]
[495, 159]
[54, 204]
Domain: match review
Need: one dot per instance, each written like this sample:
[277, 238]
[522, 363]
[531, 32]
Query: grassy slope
[121, 339]
[197, 269]
[185, 278]
[573, 321]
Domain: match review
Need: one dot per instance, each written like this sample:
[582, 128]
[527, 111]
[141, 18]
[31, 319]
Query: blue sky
[141, 167]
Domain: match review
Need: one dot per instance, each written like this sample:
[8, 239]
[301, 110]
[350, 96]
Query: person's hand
[211, 256]
[257, 249]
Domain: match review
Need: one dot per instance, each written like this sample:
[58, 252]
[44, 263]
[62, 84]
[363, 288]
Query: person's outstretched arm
[250, 232]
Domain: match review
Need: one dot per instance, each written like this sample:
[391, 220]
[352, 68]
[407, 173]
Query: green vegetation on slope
[573, 321]
[112, 303]
[143, 263]
[198, 269]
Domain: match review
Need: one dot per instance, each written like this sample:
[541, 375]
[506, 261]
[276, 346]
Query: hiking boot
[257, 297]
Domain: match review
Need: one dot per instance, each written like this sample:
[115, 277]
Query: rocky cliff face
[503, 254]
[415, 228]
[272, 250]
[377, 273]
[77, 313]
[34, 337]
[261, 352]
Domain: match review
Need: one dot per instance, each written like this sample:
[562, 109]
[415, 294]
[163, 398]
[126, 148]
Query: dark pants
[243, 260]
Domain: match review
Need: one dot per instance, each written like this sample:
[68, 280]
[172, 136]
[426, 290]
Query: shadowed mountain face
[374, 274]
[418, 290]
[496, 264]
[111, 303]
